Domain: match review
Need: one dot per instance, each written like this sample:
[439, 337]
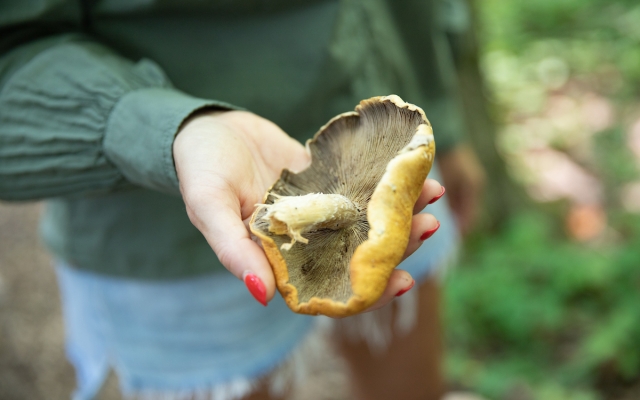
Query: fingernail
[405, 290]
[430, 232]
[256, 287]
[438, 196]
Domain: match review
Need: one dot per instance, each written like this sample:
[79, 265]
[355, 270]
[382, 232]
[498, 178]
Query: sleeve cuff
[141, 130]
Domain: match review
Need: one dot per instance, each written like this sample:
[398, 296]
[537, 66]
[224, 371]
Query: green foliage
[527, 307]
[588, 34]
[530, 313]
[618, 165]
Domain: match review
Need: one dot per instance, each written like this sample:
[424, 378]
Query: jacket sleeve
[76, 118]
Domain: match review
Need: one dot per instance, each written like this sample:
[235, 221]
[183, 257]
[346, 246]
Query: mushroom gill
[312, 259]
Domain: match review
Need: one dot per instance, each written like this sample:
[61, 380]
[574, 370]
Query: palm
[263, 150]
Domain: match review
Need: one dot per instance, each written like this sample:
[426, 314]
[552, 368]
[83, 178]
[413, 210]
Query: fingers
[399, 283]
[299, 159]
[423, 226]
[431, 191]
[221, 224]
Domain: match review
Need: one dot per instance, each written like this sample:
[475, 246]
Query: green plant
[528, 307]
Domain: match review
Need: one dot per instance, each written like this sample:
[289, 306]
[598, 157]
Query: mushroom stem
[295, 215]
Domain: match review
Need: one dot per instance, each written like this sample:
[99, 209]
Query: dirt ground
[32, 361]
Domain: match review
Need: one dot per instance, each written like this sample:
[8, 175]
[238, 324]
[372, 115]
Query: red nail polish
[405, 290]
[438, 196]
[256, 288]
[430, 232]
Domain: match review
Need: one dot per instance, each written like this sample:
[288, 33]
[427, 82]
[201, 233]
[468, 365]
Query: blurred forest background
[545, 303]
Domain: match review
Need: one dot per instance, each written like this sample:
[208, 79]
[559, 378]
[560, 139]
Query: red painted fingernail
[256, 287]
[430, 232]
[438, 196]
[405, 290]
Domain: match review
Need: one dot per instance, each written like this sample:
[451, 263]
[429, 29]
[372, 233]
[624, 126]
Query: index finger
[431, 191]
[226, 233]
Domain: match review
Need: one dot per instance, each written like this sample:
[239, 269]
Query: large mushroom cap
[334, 232]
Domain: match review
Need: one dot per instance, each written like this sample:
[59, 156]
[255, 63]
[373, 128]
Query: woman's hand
[225, 162]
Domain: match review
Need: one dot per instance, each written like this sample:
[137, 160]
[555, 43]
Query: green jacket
[93, 92]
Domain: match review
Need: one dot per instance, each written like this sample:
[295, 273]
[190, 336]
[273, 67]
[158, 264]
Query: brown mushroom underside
[385, 147]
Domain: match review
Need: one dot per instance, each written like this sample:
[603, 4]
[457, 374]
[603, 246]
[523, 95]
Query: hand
[225, 162]
[464, 178]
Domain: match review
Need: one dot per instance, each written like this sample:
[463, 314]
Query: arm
[76, 118]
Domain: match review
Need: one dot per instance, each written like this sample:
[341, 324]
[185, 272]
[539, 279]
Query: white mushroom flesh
[296, 215]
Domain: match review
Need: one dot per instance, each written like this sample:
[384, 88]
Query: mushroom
[334, 232]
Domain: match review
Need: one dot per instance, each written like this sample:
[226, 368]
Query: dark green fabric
[422, 32]
[77, 115]
[91, 99]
